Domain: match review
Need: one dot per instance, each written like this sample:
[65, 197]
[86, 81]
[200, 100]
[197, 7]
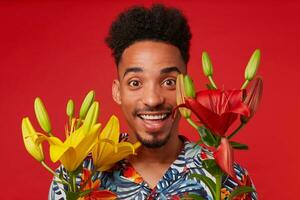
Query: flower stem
[74, 182]
[236, 130]
[218, 187]
[78, 123]
[54, 174]
[192, 123]
[212, 82]
[70, 122]
[245, 84]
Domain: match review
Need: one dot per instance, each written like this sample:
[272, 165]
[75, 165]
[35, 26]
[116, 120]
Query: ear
[116, 91]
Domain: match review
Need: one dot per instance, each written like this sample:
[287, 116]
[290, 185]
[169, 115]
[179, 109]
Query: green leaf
[206, 136]
[240, 190]
[207, 181]
[218, 141]
[211, 166]
[192, 196]
[237, 145]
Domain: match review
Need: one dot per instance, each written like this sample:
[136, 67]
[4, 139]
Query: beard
[155, 142]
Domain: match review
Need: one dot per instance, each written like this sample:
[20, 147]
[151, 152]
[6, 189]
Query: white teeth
[153, 117]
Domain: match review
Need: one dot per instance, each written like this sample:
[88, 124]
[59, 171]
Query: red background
[56, 50]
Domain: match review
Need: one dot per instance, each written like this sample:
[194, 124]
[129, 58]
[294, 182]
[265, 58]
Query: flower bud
[206, 65]
[91, 117]
[42, 115]
[189, 87]
[180, 95]
[86, 104]
[70, 108]
[252, 65]
[253, 98]
[29, 137]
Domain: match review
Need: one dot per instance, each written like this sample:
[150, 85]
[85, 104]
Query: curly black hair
[158, 23]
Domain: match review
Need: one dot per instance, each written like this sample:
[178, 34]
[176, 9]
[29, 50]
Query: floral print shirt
[176, 183]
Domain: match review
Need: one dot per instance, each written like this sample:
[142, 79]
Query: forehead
[151, 56]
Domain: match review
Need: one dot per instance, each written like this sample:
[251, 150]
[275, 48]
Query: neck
[165, 154]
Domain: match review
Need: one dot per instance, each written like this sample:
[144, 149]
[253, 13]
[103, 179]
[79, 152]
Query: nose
[152, 97]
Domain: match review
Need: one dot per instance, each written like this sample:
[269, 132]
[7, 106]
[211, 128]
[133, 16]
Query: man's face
[146, 90]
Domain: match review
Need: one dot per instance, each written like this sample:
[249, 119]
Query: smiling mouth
[154, 116]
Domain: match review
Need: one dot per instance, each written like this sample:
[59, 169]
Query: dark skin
[146, 93]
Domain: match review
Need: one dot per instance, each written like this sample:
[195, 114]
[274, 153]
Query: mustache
[159, 108]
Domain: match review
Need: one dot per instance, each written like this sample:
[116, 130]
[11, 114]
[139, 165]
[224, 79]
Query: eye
[170, 83]
[134, 83]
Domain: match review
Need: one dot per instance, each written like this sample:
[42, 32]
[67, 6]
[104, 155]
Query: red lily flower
[224, 157]
[95, 194]
[218, 109]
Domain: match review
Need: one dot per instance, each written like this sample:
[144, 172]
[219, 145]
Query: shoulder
[195, 156]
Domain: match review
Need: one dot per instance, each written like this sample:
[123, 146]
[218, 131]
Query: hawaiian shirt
[176, 183]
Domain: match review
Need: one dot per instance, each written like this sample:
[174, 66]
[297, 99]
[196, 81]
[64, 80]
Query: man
[151, 47]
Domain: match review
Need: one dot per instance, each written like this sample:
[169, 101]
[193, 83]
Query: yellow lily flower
[79, 144]
[109, 150]
[30, 137]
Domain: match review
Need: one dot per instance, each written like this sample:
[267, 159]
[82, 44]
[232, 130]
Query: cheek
[129, 101]
[170, 97]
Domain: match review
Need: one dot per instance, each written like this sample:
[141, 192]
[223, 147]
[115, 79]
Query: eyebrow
[169, 70]
[163, 71]
[132, 69]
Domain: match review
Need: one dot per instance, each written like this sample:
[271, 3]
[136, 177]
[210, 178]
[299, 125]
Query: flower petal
[57, 148]
[224, 157]
[29, 137]
[104, 149]
[124, 149]
[98, 153]
[217, 109]
[69, 160]
[86, 145]
[235, 103]
[111, 130]
[216, 123]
